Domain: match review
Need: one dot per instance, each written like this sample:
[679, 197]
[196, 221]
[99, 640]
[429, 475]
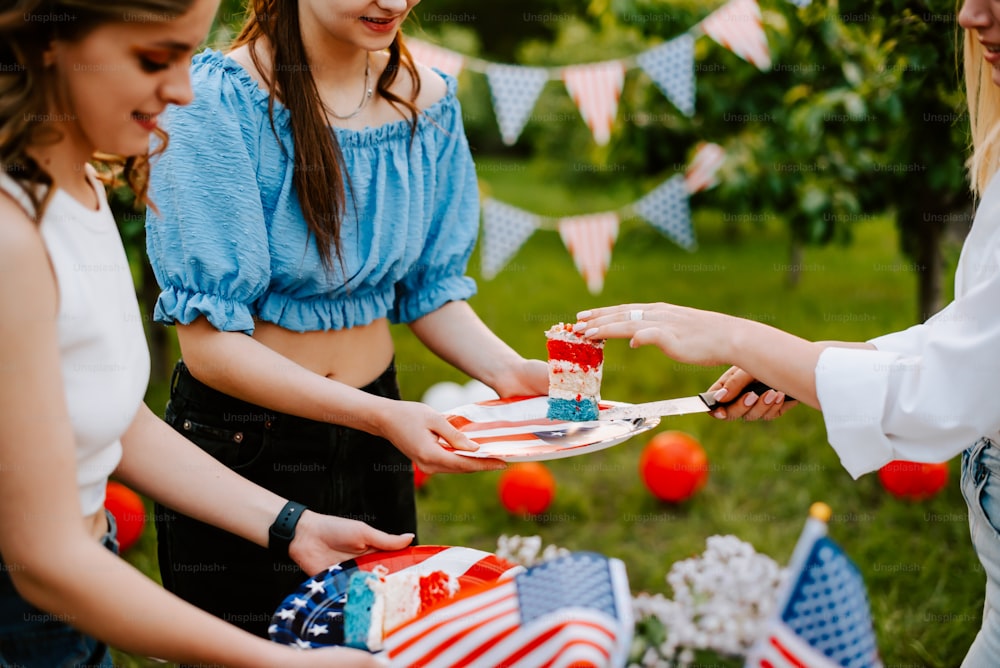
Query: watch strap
[282, 531]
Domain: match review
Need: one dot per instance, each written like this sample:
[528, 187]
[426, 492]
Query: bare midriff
[355, 356]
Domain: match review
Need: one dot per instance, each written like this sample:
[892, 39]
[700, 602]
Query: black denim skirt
[329, 468]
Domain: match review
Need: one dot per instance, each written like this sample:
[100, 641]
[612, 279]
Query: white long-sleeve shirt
[930, 391]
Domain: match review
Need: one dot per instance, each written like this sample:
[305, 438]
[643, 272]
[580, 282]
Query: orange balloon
[526, 488]
[913, 481]
[129, 513]
[673, 466]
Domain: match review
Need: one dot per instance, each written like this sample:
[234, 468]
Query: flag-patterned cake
[378, 601]
[575, 368]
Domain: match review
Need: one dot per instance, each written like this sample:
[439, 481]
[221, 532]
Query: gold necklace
[364, 99]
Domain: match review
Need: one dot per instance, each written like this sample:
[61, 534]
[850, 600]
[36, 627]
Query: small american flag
[823, 618]
[571, 611]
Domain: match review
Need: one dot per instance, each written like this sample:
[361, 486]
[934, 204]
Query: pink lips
[145, 121]
[380, 25]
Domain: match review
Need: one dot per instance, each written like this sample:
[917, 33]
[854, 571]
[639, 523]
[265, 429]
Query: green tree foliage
[861, 113]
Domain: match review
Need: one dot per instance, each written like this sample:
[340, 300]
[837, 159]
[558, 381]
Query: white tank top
[102, 347]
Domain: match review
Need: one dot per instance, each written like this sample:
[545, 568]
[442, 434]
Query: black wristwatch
[282, 532]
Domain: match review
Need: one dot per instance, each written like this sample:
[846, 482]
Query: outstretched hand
[692, 336]
[323, 540]
[685, 334]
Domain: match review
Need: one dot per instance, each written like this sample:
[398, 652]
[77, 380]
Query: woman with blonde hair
[77, 78]
[924, 394]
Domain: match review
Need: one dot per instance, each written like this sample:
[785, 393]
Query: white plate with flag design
[515, 429]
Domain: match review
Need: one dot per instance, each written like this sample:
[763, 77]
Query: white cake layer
[560, 333]
[402, 598]
[567, 378]
[572, 396]
[375, 635]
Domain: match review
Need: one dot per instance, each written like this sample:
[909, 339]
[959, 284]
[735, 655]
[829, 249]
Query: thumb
[381, 540]
[454, 438]
[643, 337]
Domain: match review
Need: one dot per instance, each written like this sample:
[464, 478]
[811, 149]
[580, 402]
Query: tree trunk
[796, 253]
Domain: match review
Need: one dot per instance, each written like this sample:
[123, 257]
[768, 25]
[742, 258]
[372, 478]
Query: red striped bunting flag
[596, 89]
[738, 26]
[700, 172]
[432, 55]
[589, 240]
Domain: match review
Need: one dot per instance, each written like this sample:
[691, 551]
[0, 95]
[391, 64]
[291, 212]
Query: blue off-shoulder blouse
[227, 240]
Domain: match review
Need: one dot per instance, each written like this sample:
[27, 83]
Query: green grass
[925, 583]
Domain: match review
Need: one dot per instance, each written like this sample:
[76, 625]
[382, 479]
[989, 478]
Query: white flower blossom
[722, 600]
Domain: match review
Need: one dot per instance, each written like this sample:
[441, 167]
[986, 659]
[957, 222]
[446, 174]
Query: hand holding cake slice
[575, 369]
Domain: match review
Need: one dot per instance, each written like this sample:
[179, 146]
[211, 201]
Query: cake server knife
[699, 403]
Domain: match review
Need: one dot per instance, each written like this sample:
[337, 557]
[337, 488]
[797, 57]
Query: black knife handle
[756, 386]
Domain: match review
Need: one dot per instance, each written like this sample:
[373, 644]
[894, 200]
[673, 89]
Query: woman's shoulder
[434, 86]
[216, 75]
[20, 235]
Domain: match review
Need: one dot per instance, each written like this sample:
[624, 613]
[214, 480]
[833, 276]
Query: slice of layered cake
[378, 602]
[575, 367]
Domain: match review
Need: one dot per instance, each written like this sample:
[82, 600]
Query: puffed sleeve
[205, 233]
[927, 401]
[438, 277]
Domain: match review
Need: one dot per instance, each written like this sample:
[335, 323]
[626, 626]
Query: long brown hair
[319, 176]
[27, 29]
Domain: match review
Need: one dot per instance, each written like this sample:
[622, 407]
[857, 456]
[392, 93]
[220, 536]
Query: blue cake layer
[577, 410]
[358, 609]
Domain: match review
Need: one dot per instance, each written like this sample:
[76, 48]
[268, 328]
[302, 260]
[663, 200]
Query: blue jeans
[981, 489]
[32, 638]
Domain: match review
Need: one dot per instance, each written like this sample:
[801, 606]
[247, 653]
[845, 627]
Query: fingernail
[769, 397]
[408, 535]
[721, 414]
[632, 343]
[583, 314]
[578, 326]
[720, 394]
[750, 399]
[590, 332]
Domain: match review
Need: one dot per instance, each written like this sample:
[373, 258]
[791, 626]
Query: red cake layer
[584, 354]
[434, 588]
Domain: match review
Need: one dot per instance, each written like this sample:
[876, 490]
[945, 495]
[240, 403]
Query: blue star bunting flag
[571, 611]
[671, 67]
[515, 90]
[666, 208]
[823, 619]
[505, 229]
